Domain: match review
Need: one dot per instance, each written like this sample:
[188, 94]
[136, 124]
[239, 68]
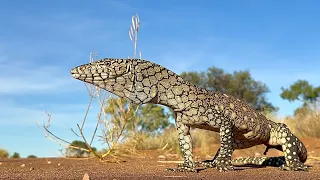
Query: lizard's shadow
[237, 168]
[244, 167]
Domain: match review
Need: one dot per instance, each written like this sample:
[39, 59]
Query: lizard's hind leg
[294, 151]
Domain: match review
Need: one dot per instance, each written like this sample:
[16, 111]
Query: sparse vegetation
[4, 153]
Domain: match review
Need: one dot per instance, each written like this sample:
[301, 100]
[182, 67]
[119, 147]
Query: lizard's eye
[82, 68]
[107, 63]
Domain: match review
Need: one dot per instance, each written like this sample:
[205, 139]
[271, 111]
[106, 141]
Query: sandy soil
[132, 168]
[148, 165]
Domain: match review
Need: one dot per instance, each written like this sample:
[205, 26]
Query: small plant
[83, 152]
[133, 34]
[94, 93]
[4, 153]
[15, 155]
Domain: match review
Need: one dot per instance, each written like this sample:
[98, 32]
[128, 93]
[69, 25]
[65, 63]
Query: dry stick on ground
[48, 134]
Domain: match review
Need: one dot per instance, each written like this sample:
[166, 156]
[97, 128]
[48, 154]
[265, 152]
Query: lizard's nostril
[74, 72]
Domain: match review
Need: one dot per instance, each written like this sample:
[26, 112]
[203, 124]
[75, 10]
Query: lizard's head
[99, 71]
[118, 76]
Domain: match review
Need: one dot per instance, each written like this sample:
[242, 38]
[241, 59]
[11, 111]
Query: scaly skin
[238, 124]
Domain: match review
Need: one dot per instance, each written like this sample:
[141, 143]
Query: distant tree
[153, 118]
[72, 152]
[302, 91]
[4, 153]
[15, 155]
[149, 118]
[118, 110]
[32, 156]
[239, 84]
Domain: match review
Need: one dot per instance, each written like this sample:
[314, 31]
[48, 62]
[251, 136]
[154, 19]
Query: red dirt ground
[146, 166]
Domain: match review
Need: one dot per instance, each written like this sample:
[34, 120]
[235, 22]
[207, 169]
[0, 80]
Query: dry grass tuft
[166, 141]
[206, 141]
[306, 123]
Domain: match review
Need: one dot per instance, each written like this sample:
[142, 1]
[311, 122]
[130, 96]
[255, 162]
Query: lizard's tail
[260, 161]
[274, 161]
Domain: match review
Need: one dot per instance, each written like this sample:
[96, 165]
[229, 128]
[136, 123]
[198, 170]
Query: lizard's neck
[152, 83]
[175, 93]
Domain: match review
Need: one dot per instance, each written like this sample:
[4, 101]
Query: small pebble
[31, 168]
[59, 164]
[49, 162]
[86, 177]
[161, 157]
[23, 165]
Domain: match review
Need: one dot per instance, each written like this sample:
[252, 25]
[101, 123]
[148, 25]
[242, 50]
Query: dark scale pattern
[239, 125]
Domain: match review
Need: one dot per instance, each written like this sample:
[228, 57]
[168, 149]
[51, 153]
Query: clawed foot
[294, 166]
[207, 164]
[184, 167]
[223, 164]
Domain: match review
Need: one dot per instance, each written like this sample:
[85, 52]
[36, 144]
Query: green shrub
[4, 153]
[32, 156]
[15, 155]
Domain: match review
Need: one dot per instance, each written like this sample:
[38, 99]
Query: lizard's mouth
[74, 72]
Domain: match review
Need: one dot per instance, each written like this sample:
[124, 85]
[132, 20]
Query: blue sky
[40, 41]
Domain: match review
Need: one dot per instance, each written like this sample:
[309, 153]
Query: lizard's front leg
[185, 143]
[223, 160]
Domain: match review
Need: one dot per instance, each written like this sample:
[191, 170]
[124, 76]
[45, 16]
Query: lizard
[238, 124]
